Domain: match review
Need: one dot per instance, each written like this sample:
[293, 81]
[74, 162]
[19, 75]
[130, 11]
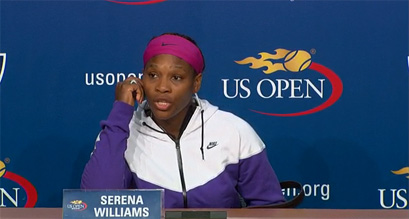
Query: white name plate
[129, 203]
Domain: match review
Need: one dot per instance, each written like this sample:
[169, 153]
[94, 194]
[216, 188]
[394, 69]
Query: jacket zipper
[182, 177]
[178, 152]
[180, 163]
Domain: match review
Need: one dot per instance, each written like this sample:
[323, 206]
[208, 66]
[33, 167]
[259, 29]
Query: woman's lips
[162, 105]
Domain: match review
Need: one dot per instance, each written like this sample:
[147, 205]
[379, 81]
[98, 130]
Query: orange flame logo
[402, 171]
[293, 61]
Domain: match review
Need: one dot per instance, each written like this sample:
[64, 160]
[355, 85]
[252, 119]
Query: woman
[201, 156]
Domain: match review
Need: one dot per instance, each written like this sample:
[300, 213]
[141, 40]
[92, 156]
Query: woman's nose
[163, 85]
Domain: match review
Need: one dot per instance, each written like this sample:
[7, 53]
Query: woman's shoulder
[235, 127]
[231, 120]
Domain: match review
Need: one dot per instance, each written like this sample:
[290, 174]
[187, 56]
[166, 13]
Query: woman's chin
[161, 115]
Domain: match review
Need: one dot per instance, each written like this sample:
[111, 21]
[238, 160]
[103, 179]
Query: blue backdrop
[61, 59]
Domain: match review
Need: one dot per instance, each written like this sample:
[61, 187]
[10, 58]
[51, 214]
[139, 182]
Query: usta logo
[294, 62]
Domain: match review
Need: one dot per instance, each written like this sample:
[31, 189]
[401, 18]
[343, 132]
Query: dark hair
[191, 40]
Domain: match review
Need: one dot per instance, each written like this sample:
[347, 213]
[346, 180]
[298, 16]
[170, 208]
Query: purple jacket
[218, 159]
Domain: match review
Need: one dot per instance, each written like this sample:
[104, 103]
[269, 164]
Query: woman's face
[169, 83]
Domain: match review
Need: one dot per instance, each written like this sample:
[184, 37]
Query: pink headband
[177, 46]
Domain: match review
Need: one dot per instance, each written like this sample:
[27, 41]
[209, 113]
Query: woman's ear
[197, 83]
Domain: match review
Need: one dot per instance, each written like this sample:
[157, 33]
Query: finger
[140, 92]
[136, 86]
[124, 92]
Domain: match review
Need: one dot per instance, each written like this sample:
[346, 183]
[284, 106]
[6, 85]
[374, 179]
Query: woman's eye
[152, 75]
[177, 78]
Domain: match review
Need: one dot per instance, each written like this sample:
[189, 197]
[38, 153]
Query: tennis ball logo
[281, 60]
[2, 168]
[297, 61]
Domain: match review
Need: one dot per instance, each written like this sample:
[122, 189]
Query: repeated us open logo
[15, 190]
[396, 198]
[284, 83]
[77, 205]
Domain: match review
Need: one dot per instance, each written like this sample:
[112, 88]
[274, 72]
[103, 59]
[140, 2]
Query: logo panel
[295, 61]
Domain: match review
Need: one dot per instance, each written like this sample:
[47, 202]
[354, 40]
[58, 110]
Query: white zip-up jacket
[218, 159]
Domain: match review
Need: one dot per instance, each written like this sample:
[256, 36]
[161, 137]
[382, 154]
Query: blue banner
[324, 84]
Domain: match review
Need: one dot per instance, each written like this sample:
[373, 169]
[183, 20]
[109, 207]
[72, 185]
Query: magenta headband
[177, 46]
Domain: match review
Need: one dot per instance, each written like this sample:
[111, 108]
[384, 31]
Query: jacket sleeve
[257, 181]
[107, 167]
